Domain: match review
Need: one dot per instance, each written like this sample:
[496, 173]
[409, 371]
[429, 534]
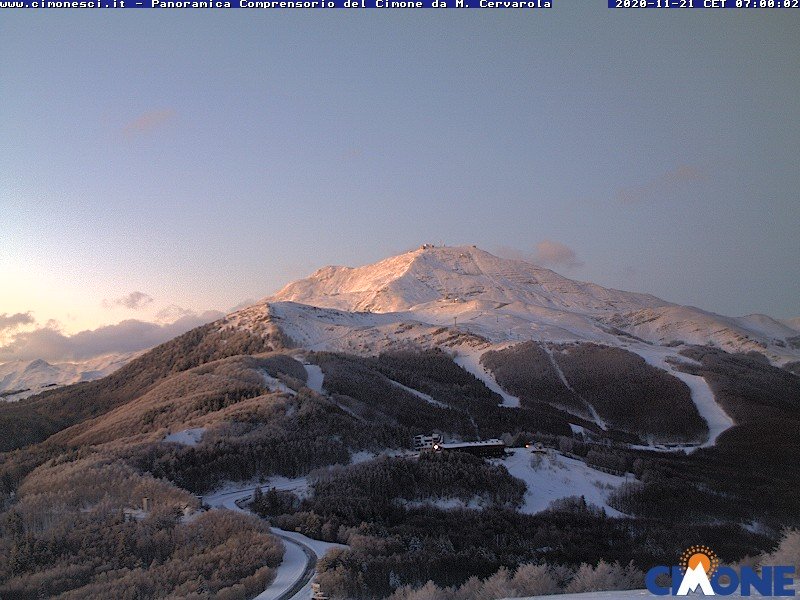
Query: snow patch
[318, 546]
[187, 437]
[315, 378]
[276, 385]
[290, 570]
[563, 378]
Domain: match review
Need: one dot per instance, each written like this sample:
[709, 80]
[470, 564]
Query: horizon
[133, 335]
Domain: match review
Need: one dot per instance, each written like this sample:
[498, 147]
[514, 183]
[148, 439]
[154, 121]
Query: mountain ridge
[473, 292]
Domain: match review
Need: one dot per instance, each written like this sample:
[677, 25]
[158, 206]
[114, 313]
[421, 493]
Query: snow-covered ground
[315, 378]
[369, 308]
[470, 360]
[318, 546]
[291, 569]
[188, 437]
[718, 420]
[276, 385]
[557, 477]
[563, 378]
[296, 546]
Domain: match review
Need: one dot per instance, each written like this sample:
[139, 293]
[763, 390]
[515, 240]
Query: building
[487, 448]
[426, 442]
[537, 448]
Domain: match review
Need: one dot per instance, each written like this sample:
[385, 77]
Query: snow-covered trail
[596, 417]
[314, 377]
[471, 362]
[296, 571]
[716, 417]
[422, 395]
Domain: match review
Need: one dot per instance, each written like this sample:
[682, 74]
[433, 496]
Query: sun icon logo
[700, 555]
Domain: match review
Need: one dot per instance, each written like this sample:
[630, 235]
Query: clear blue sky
[204, 158]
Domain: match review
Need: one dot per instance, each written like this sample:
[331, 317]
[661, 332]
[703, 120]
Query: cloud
[664, 183]
[132, 335]
[555, 254]
[546, 253]
[133, 301]
[8, 322]
[149, 121]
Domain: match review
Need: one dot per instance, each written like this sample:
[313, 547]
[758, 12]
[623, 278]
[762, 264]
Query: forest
[77, 530]
[627, 393]
[71, 516]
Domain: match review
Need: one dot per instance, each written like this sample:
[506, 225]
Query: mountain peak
[435, 275]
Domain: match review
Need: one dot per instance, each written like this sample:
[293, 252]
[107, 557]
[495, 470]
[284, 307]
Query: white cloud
[50, 344]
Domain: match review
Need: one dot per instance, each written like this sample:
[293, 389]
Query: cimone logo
[699, 571]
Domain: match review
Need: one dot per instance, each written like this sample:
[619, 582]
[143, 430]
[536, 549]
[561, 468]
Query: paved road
[301, 553]
[305, 579]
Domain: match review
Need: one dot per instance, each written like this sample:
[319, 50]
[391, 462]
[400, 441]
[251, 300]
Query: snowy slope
[187, 437]
[558, 476]
[410, 299]
[470, 361]
[467, 301]
[718, 420]
[456, 275]
[38, 375]
[690, 325]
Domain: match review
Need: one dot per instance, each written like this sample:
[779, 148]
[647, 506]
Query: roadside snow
[318, 546]
[290, 570]
[559, 477]
[471, 362]
[315, 378]
[187, 437]
[362, 456]
[295, 560]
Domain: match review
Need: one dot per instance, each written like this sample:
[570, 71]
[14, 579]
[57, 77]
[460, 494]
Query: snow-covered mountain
[440, 295]
[28, 377]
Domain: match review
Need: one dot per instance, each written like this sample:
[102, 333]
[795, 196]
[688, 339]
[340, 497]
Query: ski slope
[470, 361]
[558, 477]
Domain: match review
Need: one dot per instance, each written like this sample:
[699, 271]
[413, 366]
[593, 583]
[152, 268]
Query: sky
[159, 164]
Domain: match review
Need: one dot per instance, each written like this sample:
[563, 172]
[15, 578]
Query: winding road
[296, 571]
